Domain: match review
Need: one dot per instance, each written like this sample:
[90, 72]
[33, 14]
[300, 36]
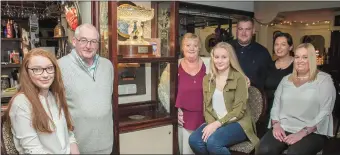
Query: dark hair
[245, 19]
[289, 40]
[286, 35]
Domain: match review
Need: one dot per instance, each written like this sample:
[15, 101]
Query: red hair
[40, 120]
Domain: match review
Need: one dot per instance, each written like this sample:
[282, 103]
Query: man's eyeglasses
[39, 71]
[84, 41]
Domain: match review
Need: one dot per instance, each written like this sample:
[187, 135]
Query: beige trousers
[183, 140]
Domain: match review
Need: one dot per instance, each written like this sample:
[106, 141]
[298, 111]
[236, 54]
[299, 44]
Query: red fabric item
[71, 17]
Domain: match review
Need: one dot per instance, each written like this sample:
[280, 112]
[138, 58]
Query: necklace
[283, 64]
[192, 71]
[303, 77]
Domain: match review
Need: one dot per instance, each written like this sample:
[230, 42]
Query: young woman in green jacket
[225, 95]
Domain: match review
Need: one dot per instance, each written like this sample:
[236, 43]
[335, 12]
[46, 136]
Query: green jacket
[235, 99]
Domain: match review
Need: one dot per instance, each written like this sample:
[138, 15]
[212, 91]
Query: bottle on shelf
[9, 56]
[9, 30]
[16, 30]
[15, 57]
[13, 31]
[5, 82]
[5, 32]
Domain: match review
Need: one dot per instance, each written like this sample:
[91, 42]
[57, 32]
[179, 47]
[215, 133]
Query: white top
[218, 104]
[309, 105]
[27, 140]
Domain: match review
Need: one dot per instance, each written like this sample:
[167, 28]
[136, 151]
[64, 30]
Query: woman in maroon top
[189, 102]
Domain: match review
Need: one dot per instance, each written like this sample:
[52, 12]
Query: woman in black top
[283, 65]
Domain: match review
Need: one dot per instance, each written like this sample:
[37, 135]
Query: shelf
[134, 104]
[128, 125]
[10, 66]
[11, 39]
[148, 109]
[147, 60]
[41, 38]
[3, 108]
[135, 108]
[52, 38]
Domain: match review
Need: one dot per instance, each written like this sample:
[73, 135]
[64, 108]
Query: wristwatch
[305, 129]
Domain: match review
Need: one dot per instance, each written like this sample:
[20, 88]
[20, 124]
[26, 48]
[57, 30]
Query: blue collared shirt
[91, 68]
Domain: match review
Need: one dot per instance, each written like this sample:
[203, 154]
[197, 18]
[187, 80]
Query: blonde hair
[232, 59]
[313, 71]
[192, 36]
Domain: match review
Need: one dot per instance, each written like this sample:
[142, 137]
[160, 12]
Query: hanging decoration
[293, 23]
[34, 30]
[71, 12]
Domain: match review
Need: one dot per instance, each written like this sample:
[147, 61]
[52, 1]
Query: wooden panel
[146, 60]
[95, 11]
[147, 124]
[150, 141]
[174, 46]
[112, 14]
[154, 21]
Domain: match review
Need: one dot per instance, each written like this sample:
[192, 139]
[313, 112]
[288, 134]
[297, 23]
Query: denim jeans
[218, 141]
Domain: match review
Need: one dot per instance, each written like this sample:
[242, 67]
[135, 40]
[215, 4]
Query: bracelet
[305, 129]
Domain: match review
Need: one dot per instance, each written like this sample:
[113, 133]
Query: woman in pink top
[189, 102]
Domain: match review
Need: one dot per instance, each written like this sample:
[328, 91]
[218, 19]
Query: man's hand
[248, 82]
[210, 129]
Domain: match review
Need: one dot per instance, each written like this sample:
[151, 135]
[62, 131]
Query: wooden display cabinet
[139, 113]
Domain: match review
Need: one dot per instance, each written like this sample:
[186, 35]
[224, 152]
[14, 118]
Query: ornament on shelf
[59, 30]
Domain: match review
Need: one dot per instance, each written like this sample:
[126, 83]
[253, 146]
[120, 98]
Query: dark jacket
[255, 61]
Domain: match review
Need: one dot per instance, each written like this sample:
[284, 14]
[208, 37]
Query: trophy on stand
[135, 16]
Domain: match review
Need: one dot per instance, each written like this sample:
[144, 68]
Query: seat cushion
[255, 103]
[8, 139]
[245, 147]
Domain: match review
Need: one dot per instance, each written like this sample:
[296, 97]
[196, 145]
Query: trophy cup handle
[140, 30]
[131, 29]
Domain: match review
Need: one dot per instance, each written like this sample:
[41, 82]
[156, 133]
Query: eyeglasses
[84, 41]
[39, 71]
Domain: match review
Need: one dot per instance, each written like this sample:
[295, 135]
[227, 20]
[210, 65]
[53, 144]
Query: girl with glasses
[38, 113]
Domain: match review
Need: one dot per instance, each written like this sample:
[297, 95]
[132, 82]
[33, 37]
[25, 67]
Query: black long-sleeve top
[273, 80]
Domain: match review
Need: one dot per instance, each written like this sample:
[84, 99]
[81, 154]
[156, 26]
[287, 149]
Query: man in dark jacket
[253, 57]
